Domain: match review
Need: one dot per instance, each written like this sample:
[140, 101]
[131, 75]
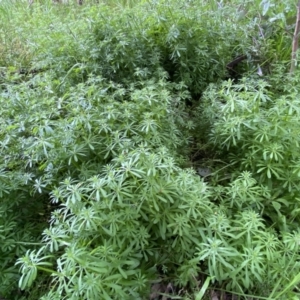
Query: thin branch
[295, 40]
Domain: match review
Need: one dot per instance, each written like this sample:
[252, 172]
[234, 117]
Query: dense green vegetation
[149, 147]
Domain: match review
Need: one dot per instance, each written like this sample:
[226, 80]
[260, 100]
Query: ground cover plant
[149, 148]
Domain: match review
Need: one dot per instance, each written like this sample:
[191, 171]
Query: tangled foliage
[123, 196]
[98, 197]
[254, 131]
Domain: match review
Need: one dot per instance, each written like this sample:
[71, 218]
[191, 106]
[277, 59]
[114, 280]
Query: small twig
[237, 60]
[295, 40]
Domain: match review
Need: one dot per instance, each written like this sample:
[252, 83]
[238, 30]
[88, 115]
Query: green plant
[254, 129]
[100, 117]
[129, 195]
